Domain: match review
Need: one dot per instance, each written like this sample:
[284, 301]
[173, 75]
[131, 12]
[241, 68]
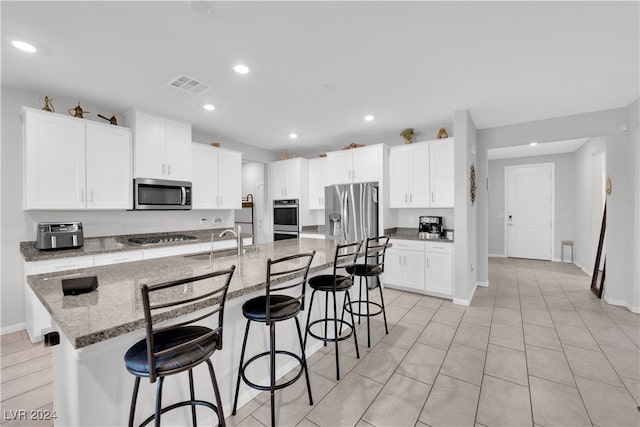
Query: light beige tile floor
[534, 348]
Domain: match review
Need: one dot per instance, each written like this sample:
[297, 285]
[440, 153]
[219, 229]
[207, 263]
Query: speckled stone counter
[410, 234]
[115, 308]
[109, 244]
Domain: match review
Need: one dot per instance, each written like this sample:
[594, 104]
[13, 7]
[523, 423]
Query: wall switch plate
[217, 220]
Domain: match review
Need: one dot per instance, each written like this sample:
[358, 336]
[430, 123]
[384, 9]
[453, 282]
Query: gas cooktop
[161, 238]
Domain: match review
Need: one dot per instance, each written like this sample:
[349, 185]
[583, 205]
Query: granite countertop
[110, 244]
[115, 308]
[406, 233]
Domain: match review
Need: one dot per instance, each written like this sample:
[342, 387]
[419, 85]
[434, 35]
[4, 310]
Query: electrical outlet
[217, 220]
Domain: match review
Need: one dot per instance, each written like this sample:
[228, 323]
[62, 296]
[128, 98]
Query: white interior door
[529, 215]
[597, 204]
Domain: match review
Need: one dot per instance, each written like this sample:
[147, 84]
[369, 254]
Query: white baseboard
[467, 302]
[621, 303]
[483, 284]
[13, 328]
[497, 255]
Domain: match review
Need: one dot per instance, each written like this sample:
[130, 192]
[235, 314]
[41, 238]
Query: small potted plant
[407, 134]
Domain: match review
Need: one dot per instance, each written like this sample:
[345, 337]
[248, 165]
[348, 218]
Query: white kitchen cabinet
[117, 258]
[424, 267]
[161, 147]
[287, 177]
[354, 165]
[404, 265]
[439, 268]
[421, 175]
[72, 163]
[109, 167]
[317, 182]
[54, 161]
[441, 166]
[409, 176]
[217, 178]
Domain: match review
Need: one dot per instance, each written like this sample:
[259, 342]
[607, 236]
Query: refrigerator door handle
[345, 215]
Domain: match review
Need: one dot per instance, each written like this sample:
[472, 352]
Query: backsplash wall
[409, 217]
[108, 223]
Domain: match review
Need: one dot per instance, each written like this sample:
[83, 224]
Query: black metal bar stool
[273, 308]
[171, 349]
[346, 256]
[373, 266]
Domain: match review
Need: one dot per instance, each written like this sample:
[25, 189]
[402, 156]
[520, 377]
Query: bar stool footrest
[277, 386]
[349, 309]
[327, 339]
[209, 405]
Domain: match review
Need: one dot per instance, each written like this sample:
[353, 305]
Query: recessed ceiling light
[293, 135]
[241, 69]
[369, 118]
[209, 107]
[23, 46]
[533, 144]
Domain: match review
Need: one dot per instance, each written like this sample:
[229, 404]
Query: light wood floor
[26, 381]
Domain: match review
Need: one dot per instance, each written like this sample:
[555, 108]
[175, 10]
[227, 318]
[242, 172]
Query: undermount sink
[204, 256]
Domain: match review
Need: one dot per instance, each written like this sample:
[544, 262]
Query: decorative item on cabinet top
[442, 133]
[350, 146]
[48, 104]
[215, 144]
[408, 135]
[112, 120]
[78, 111]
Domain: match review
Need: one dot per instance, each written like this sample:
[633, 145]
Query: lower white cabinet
[425, 267]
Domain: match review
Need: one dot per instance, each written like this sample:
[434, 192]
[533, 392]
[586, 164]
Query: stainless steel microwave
[161, 194]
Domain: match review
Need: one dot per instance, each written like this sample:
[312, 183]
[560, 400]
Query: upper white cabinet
[317, 182]
[162, 147]
[421, 175]
[354, 165]
[109, 167]
[217, 177]
[287, 177]
[72, 163]
[441, 165]
[409, 176]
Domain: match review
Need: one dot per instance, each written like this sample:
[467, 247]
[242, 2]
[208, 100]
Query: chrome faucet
[236, 235]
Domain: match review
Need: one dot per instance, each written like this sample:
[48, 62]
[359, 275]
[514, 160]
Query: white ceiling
[540, 149]
[317, 68]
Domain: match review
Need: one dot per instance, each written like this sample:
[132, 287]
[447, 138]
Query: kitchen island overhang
[91, 384]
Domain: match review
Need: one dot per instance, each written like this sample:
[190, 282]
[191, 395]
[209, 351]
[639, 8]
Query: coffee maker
[430, 227]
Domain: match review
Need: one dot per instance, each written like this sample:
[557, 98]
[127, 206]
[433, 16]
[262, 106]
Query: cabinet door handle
[405, 197]
[163, 168]
[169, 169]
[410, 197]
[353, 175]
[91, 193]
[432, 197]
[220, 200]
[82, 195]
[427, 262]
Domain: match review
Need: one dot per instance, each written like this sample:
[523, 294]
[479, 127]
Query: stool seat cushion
[364, 270]
[137, 360]
[255, 308]
[324, 282]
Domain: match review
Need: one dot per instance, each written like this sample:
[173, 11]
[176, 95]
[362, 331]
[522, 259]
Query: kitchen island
[91, 384]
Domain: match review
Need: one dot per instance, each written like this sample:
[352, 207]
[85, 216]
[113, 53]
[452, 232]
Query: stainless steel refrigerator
[351, 211]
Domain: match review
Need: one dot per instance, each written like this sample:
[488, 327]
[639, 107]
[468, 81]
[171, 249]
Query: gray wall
[582, 242]
[465, 213]
[565, 200]
[18, 225]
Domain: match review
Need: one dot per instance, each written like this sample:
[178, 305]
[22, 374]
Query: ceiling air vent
[189, 84]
